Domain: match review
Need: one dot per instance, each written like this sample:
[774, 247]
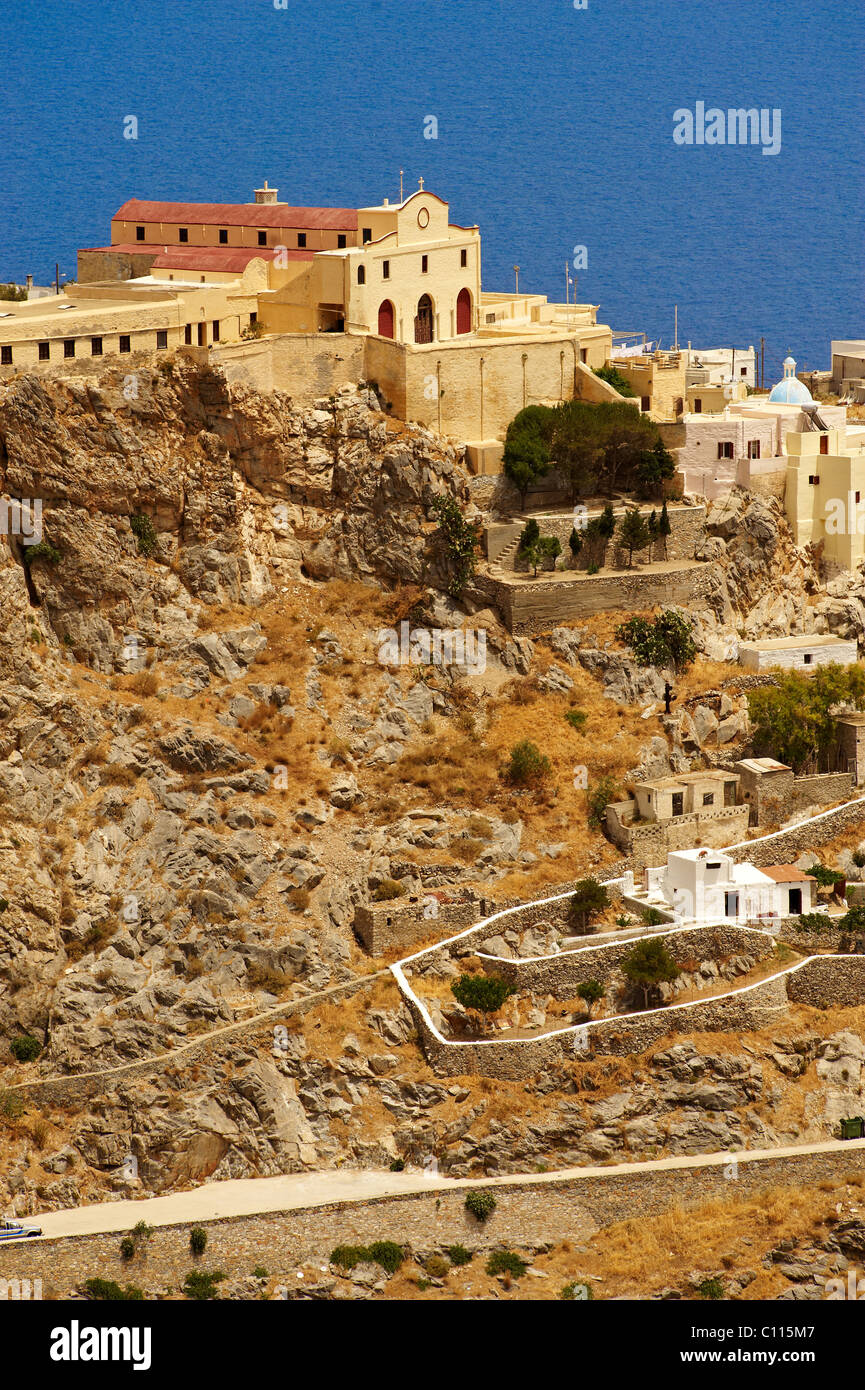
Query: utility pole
[762, 364]
[676, 332]
[400, 186]
[567, 292]
[57, 277]
[517, 275]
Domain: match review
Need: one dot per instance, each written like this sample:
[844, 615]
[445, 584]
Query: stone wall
[306, 366]
[529, 1211]
[531, 606]
[686, 522]
[648, 842]
[785, 846]
[560, 975]
[829, 980]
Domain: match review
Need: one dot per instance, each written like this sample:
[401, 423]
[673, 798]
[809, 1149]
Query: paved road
[252, 1196]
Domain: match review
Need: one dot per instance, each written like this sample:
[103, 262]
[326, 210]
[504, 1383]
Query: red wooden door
[464, 312]
[385, 319]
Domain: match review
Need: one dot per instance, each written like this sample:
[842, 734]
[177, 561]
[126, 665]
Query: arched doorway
[464, 312]
[385, 319]
[423, 324]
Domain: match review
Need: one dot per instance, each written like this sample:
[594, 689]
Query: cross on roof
[420, 184]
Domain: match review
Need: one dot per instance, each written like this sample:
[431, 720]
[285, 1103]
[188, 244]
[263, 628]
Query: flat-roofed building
[799, 653]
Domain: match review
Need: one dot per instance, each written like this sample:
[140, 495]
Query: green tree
[793, 720]
[664, 527]
[598, 796]
[588, 899]
[656, 467]
[527, 454]
[482, 994]
[13, 293]
[462, 540]
[591, 991]
[648, 965]
[607, 522]
[665, 640]
[633, 532]
[614, 378]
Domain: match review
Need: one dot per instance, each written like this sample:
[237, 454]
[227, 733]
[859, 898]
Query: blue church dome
[790, 390]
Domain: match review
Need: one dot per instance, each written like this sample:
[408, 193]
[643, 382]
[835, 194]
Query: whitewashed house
[706, 885]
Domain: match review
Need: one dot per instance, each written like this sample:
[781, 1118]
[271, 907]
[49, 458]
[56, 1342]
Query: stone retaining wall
[560, 975]
[527, 1214]
[649, 842]
[785, 846]
[824, 980]
[532, 606]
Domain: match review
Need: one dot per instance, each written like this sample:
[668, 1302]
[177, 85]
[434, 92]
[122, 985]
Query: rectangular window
[69, 347]
[187, 334]
[385, 270]
[753, 448]
[808, 658]
[5, 356]
[262, 238]
[44, 352]
[340, 241]
[95, 347]
[125, 343]
[253, 317]
[216, 330]
[824, 443]
[464, 259]
[698, 406]
[139, 233]
[814, 479]
[725, 450]
[708, 798]
[162, 337]
[645, 403]
[678, 803]
[183, 233]
[223, 237]
[367, 235]
[743, 371]
[424, 264]
[301, 240]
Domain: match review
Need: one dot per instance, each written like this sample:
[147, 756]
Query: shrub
[141, 1232]
[712, 1288]
[388, 889]
[852, 921]
[201, 1286]
[530, 536]
[437, 1266]
[598, 796]
[198, 1240]
[259, 1272]
[382, 1252]
[459, 1255]
[144, 532]
[528, 765]
[11, 1105]
[127, 1247]
[506, 1262]
[397, 1165]
[576, 718]
[652, 916]
[665, 640]
[826, 878]
[480, 1204]
[591, 991]
[648, 965]
[814, 921]
[581, 1292]
[25, 1048]
[614, 378]
[462, 540]
[42, 550]
[483, 993]
[109, 1291]
[13, 293]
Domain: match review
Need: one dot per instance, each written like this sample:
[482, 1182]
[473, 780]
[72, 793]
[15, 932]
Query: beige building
[825, 495]
[658, 379]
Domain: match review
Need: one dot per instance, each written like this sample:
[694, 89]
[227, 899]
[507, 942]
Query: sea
[549, 123]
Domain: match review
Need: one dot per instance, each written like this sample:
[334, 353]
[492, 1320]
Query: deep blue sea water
[554, 130]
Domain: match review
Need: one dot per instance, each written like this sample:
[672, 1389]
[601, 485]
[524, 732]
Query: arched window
[464, 312]
[361, 275]
[423, 324]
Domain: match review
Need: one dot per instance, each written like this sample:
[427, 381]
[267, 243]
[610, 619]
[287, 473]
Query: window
[95, 347]
[808, 658]
[361, 275]
[708, 798]
[44, 352]
[253, 317]
[125, 343]
[223, 236]
[424, 264]
[301, 240]
[216, 330]
[725, 449]
[139, 233]
[187, 335]
[5, 356]
[645, 403]
[69, 347]
[824, 443]
[698, 405]
[678, 803]
[183, 233]
[814, 479]
[743, 371]
[464, 259]
[385, 270]
[340, 241]
[584, 354]
[162, 337]
[753, 448]
[262, 238]
[858, 495]
[367, 235]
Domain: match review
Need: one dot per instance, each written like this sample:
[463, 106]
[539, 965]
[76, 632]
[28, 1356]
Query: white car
[13, 1230]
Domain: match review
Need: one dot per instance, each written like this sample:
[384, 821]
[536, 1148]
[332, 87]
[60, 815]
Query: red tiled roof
[239, 215]
[787, 873]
